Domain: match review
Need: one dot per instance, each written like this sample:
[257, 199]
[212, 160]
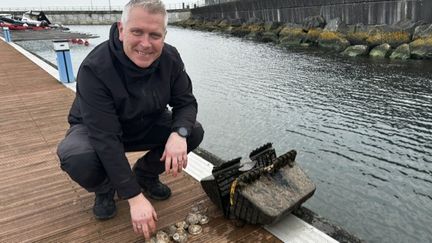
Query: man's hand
[143, 216]
[175, 154]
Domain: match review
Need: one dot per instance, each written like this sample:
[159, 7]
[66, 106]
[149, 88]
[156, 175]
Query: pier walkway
[39, 203]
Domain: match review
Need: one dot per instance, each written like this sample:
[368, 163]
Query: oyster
[171, 230]
[151, 240]
[162, 237]
[193, 218]
[180, 236]
[182, 224]
[194, 229]
[204, 220]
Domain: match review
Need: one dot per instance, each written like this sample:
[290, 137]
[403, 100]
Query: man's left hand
[175, 154]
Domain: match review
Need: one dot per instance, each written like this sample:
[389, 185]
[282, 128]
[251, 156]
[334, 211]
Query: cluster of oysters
[180, 231]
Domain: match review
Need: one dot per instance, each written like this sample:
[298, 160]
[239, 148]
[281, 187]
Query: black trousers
[80, 161]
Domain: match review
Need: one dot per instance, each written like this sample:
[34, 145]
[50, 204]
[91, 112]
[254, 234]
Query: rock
[210, 26]
[253, 36]
[381, 51]
[314, 22]
[312, 35]
[357, 38]
[223, 24]
[422, 31]
[333, 40]
[401, 52]
[235, 22]
[406, 25]
[421, 48]
[356, 50]
[269, 36]
[268, 26]
[393, 38]
[241, 31]
[337, 25]
[291, 35]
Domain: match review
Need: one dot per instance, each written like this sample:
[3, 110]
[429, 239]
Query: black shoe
[153, 188]
[104, 206]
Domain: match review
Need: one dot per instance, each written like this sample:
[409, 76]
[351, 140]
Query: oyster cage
[263, 194]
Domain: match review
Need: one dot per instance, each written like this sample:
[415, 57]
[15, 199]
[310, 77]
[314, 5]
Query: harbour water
[362, 128]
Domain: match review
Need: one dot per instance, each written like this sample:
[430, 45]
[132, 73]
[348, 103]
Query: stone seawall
[368, 12]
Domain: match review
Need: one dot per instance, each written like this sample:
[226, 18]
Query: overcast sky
[52, 3]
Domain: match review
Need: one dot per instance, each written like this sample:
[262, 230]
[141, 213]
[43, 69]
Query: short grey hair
[152, 6]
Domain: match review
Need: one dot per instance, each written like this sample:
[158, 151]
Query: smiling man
[124, 88]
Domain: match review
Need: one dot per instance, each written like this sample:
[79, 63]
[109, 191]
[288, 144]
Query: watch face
[182, 132]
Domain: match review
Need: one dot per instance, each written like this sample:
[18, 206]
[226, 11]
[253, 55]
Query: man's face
[143, 36]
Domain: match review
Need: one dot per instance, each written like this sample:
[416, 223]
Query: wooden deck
[39, 203]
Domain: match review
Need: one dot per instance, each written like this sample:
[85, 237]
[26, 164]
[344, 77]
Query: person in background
[125, 87]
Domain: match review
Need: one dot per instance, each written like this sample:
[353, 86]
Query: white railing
[170, 6]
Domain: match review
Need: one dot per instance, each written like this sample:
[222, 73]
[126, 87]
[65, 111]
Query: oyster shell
[151, 240]
[204, 220]
[193, 218]
[171, 230]
[182, 224]
[194, 229]
[180, 236]
[162, 237]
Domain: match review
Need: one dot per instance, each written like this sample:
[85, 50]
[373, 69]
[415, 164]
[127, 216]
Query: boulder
[357, 38]
[333, 40]
[421, 48]
[223, 24]
[269, 26]
[210, 25]
[394, 39]
[355, 51]
[423, 31]
[406, 25]
[312, 35]
[336, 25]
[235, 22]
[269, 36]
[401, 52]
[290, 36]
[357, 34]
[314, 22]
[381, 51]
[240, 31]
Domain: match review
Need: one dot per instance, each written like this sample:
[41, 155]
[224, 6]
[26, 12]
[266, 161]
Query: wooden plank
[40, 203]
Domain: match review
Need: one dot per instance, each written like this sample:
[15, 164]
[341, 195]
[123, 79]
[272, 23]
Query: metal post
[7, 34]
[64, 62]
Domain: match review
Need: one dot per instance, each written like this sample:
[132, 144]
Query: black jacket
[117, 100]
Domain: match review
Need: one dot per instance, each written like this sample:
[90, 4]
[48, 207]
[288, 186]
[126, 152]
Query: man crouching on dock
[123, 89]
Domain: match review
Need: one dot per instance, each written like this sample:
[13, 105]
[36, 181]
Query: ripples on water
[362, 127]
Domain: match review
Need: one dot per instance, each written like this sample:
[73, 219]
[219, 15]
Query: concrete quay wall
[368, 12]
[102, 17]
[89, 17]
